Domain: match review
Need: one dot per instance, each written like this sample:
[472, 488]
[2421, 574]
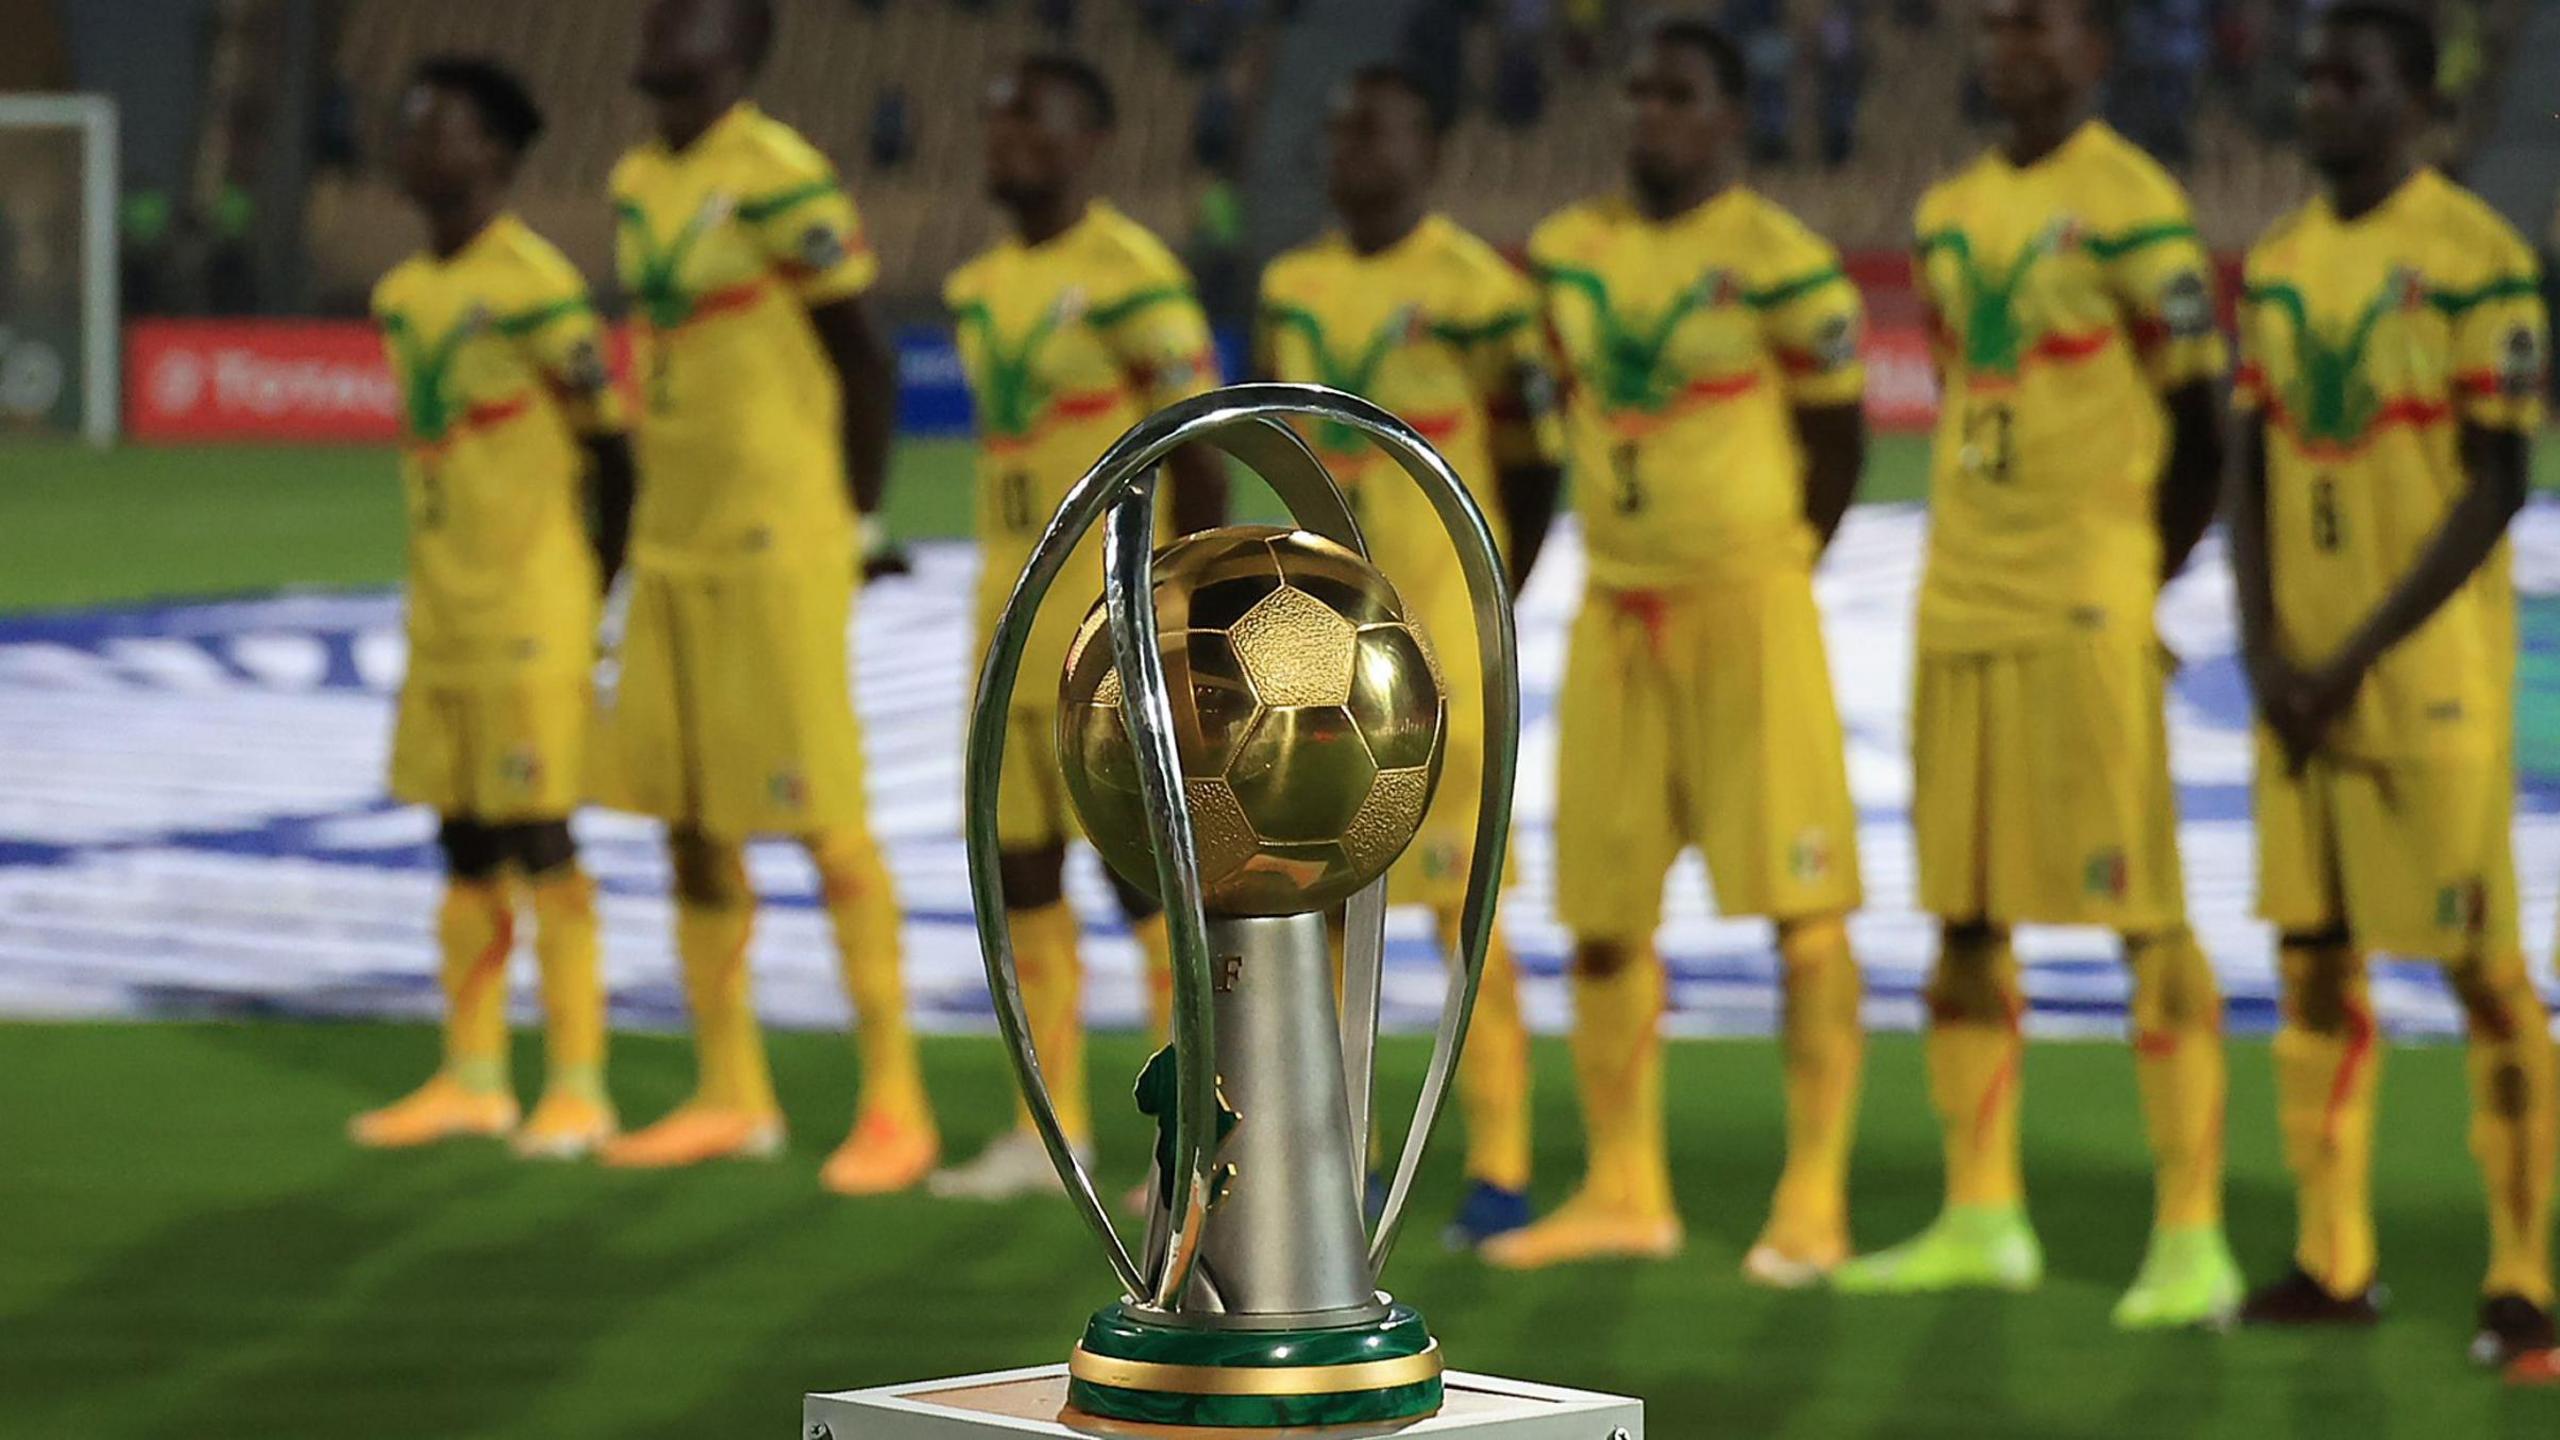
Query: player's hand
[2283, 693]
[2324, 693]
[882, 556]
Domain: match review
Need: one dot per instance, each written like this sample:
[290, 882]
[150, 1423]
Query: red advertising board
[321, 380]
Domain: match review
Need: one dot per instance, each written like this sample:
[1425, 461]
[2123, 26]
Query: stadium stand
[833, 65]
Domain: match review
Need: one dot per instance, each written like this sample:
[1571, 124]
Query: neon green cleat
[1969, 1247]
[2187, 1278]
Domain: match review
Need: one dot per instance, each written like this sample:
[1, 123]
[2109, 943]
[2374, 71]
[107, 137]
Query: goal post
[59, 307]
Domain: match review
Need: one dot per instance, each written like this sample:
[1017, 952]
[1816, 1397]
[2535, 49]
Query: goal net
[58, 311]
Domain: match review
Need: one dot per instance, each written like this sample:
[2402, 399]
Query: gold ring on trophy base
[1255, 1379]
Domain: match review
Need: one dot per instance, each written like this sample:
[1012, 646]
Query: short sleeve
[2160, 274]
[1502, 344]
[2249, 383]
[1159, 335]
[803, 221]
[2501, 345]
[561, 338]
[1814, 322]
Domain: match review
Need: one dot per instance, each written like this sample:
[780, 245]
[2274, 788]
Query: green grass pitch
[188, 1247]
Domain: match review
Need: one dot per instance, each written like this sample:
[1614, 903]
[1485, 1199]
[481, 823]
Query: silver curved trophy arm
[1244, 421]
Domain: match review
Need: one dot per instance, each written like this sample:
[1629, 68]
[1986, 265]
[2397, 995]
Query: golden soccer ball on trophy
[1308, 710]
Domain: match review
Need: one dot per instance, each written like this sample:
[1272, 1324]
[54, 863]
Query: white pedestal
[1011, 1404]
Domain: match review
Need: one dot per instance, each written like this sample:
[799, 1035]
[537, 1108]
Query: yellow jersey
[1066, 344]
[500, 364]
[1686, 346]
[1440, 330]
[2367, 345]
[2065, 299]
[724, 247]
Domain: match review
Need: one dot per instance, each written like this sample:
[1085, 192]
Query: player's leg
[2188, 1275]
[1493, 1091]
[1981, 1239]
[1155, 952]
[475, 930]
[2328, 1059]
[893, 1143]
[575, 1115]
[1963, 808]
[1617, 832]
[1763, 737]
[1051, 975]
[2513, 1138]
[732, 1111]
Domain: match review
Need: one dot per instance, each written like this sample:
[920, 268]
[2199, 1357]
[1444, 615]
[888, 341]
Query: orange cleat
[1586, 1229]
[695, 1133]
[2535, 1368]
[442, 1109]
[883, 1155]
[565, 1127]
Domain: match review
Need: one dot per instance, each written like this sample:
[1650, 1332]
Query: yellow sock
[862, 905]
[1976, 1005]
[1825, 1049]
[1044, 953]
[1155, 952]
[2512, 1122]
[1617, 1065]
[2328, 1064]
[712, 939]
[475, 930]
[1493, 1074]
[565, 948]
[2179, 1063]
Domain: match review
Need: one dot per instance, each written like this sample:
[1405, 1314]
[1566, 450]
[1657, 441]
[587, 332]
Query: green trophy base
[1129, 1369]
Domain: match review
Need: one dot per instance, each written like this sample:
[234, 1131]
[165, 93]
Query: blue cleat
[1488, 1210]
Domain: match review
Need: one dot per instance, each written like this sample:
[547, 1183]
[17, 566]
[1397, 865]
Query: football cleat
[2513, 1329]
[1970, 1247]
[1013, 1165]
[442, 1109]
[565, 1127]
[2187, 1278]
[883, 1155]
[695, 1133]
[1488, 1210]
[1585, 1229]
[2297, 1300]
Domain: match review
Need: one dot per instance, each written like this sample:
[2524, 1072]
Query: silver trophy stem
[1286, 1239]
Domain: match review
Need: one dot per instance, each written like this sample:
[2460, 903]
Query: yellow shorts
[2040, 786]
[496, 750]
[1032, 810]
[2411, 858]
[734, 713]
[1433, 870]
[1701, 717]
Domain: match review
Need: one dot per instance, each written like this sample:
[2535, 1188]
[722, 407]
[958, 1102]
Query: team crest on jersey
[823, 247]
[2521, 363]
[1071, 307]
[2106, 874]
[1809, 858]
[1719, 286]
[520, 768]
[2186, 306]
[787, 789]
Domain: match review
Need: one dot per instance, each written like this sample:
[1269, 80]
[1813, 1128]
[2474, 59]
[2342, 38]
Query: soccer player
[763, 440]
[1711, 342]
[1402, 307]
[509, 412]
[2394, 347]
[2075, 469]
[1072, 329]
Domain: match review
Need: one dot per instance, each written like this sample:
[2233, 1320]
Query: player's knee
[541, 848]
[1970, 983]
[1135, 903]
[2497, 998]
[472, 851]
[707, 871]
[1602, 959]
[1033, 879]
[2173, 986]
[2320, 972]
